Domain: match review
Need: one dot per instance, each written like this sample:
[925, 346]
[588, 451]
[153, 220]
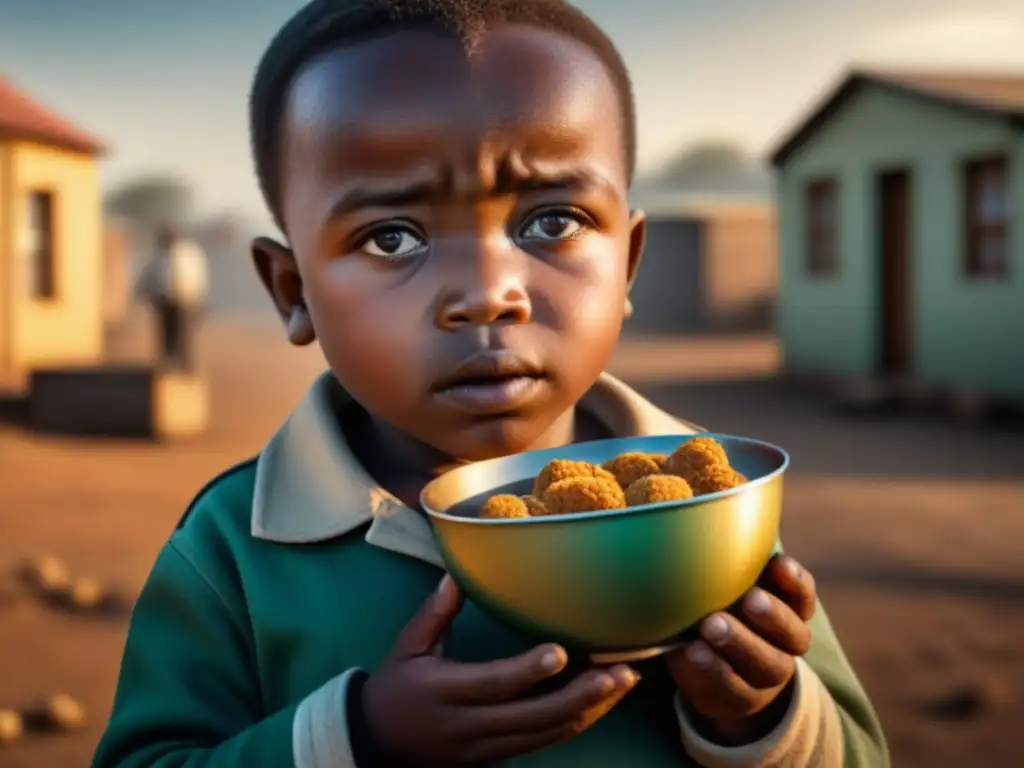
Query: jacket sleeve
[864, 744]
[188, 694]
[830, 723]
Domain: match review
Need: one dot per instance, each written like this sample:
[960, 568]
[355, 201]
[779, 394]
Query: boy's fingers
[709, 684]
[424, 629]
[757, 662]
[790, 581]
[776, 622]
[585, 699]
[508, 745]
[493, 682]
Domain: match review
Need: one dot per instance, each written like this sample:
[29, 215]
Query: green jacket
[292, 572]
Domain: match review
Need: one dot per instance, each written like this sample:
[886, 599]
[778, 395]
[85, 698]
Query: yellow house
[51, 242]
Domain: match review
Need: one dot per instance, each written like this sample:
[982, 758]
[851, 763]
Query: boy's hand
[736, 678]
[421, 706]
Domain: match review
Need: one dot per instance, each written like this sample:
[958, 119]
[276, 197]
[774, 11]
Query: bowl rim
[603, 513]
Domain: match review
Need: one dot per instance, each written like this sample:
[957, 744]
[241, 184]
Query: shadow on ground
[823, 441]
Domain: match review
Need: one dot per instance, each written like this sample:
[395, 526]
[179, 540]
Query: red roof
[998, 95]
[22, 118]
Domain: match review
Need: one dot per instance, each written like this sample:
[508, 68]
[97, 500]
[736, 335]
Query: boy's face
[459, 231]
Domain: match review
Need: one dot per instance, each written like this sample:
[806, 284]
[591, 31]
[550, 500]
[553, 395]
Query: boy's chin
[491, 438]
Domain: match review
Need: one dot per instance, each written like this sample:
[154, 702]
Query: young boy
[451, 177]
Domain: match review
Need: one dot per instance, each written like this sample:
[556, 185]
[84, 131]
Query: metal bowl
[617, 584]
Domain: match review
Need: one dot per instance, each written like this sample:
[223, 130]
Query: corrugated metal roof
[673, 204]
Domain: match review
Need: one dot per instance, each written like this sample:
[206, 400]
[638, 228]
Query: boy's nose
[488, 297]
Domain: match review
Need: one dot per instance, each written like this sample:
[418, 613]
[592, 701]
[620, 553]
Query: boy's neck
[403, 465]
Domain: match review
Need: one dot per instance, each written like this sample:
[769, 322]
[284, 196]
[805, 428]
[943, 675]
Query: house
[709, 265]
[901, 218]
[64, 277]
[51, 297]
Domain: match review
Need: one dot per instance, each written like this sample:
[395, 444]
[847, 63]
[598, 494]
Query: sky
[164, 84]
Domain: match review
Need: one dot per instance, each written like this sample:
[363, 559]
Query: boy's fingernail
[715, 629]
[700, 655]
[758, 602]
[604, 685]
[792, 567]
[553, 660]
[626, 677]
[447, 593]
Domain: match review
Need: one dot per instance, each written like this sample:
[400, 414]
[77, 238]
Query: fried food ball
[534, 505]
[714, 478]
[651, 489]
[561, 469]
[504, 506]
[630, 467]
[690, 458]
[584, 494]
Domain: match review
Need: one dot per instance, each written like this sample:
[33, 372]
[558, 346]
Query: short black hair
[321, 25]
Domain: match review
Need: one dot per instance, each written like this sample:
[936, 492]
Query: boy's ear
[275, 264]
[637, 233]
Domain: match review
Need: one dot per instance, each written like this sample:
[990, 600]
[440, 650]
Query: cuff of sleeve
[809, 736]
[320, 730]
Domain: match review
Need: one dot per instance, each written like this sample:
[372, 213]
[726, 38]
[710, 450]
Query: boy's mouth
[491, 383]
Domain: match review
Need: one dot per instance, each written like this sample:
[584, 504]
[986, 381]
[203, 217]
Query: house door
[894, 196]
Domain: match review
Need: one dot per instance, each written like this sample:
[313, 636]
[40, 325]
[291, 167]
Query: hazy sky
[165, 83]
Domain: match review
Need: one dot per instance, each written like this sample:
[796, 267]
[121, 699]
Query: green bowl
[617, 584]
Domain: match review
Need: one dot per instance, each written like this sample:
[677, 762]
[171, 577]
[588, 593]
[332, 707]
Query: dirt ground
[914, 527]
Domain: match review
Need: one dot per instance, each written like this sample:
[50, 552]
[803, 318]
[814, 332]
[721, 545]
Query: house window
[42, 279]
[987, 245]
[822, 244]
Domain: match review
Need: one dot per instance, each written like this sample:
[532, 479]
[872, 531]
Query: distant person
[453, 180]
[176, 283]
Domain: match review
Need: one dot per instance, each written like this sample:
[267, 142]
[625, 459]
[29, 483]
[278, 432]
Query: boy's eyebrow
[382, 196]
[417, 192]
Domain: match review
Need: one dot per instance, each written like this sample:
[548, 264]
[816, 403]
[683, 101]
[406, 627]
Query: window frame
[42, 257]
[821, 246]
[976, 229]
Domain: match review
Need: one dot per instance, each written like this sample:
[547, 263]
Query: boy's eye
[553, 225]
[392, 243]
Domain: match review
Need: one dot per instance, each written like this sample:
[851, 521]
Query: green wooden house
[901, 220]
